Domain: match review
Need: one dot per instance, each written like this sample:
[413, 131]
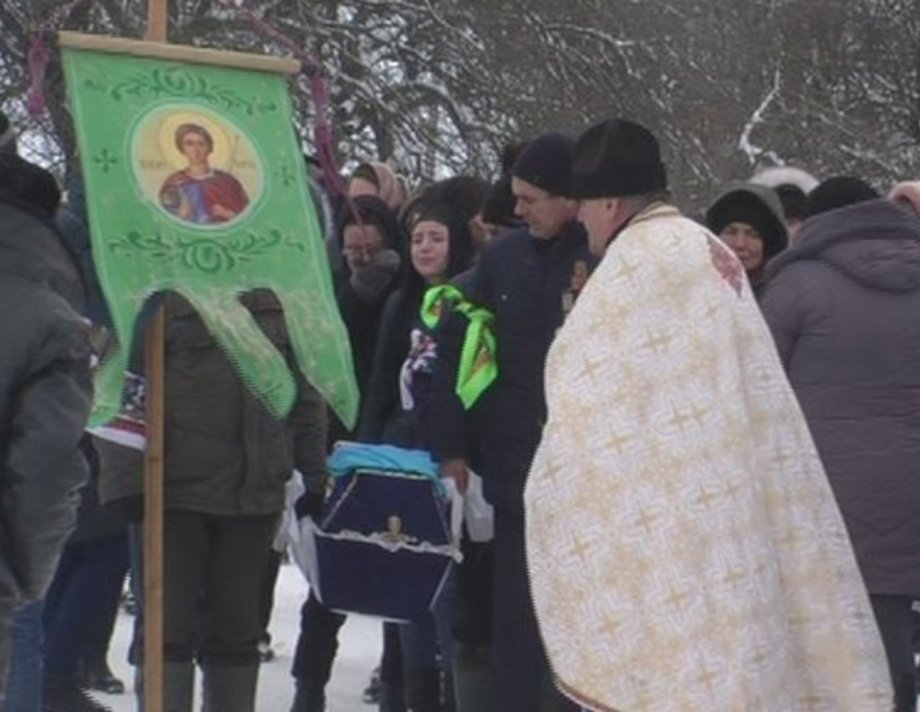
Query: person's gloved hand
[309, 504]
[369, 278]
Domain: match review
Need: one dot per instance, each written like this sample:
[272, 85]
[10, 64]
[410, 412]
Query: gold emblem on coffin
[394, 532]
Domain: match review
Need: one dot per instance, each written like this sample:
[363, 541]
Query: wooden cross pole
[153, 467]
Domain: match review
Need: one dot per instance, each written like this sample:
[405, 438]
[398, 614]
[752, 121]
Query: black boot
[473, 682]
[63, 694]
[423, 690]
[98, 676]
[178, 686]
[391, 698]
[266, 652]
[371, 694]
[448, 693]
[308, 697]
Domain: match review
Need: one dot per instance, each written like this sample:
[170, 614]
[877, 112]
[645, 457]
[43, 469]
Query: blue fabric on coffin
[385, 544]
[349, 456]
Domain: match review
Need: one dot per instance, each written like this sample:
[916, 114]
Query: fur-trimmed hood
[775, 176]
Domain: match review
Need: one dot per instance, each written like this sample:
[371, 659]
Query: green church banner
[196, 183]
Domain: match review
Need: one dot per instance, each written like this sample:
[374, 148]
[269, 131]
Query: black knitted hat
[29, 184]
[498, 206]
[617, 158]
[546, 162]
[838, 192]
[755, 205]
[794, 200]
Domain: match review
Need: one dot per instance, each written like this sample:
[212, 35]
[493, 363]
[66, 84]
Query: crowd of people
[697, 436]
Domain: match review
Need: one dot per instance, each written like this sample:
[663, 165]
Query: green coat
[225, 453]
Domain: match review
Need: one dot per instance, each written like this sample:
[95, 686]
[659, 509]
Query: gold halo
[219, 156]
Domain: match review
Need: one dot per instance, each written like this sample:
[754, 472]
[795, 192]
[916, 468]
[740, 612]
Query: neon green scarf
[478, 367]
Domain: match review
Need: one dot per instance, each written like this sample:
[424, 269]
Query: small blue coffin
[385, 543]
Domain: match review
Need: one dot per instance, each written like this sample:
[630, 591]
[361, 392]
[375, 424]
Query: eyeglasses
[364, 252]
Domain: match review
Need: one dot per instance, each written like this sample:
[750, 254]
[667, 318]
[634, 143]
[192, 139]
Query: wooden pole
[153, 467]
[157, 18]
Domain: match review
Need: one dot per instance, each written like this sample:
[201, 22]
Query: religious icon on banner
[198, 166]
[196, 183]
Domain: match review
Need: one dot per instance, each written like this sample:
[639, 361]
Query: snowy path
[359, 653]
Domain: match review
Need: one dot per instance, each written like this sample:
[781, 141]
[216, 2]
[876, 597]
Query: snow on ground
[359, 654]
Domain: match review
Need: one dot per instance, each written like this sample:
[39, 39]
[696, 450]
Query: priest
[684, 547]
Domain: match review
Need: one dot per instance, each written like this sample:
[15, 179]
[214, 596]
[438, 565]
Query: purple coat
[844, 308]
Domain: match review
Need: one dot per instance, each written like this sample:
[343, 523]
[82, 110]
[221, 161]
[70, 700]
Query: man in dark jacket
[227, 460]
[45, 388]
[529, 279]
[842, 305]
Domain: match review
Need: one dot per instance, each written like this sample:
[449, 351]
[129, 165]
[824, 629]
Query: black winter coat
[45, 398]
[525, 282]
[383, 419]
[440, 418]
[362, 320]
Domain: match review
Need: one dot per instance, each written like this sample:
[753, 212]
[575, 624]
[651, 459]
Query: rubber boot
[178, 686]
[230, 688]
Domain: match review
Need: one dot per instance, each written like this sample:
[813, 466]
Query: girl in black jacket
[440, 247]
